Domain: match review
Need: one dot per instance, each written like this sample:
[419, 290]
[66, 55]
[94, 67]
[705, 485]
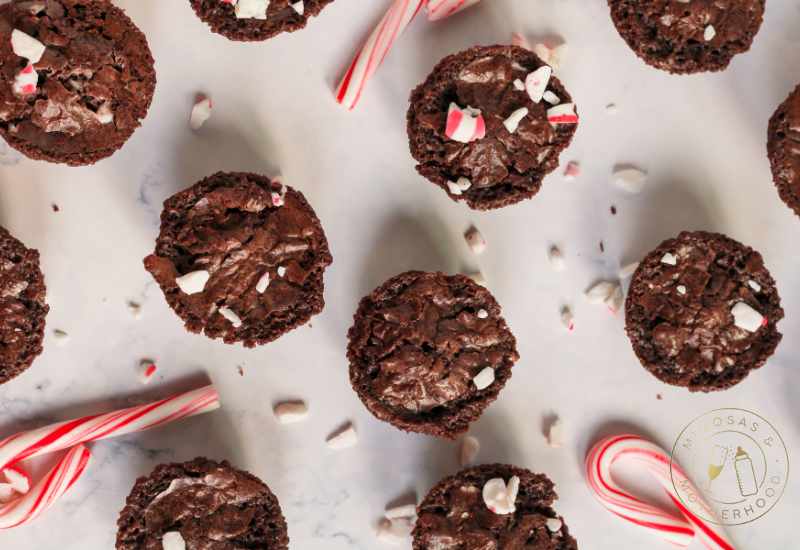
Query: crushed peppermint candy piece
[26, 46]
[173, 540]
[521, 41]
[551, 98]
[628, 270]
[512, 122]
[459, 186]
[228, 313]
[263, 283]
[747, 318]
[519, 85]
[135, 310]
[6, 492]
[681, 289]
[754, 285]
[251, 9]
[630, 179]
[19, 479]
[553, 524]
[291, 412]
[478, 278]
[104, 114]
[568, 319]
[395, 531]
[573, 171]
[281, 271]
[556, 259]
[193, 282]
[482, 314]
[26, 81]
[536, 83]
[484, 379]
[611, 109]
[563, 113]
[499, 497]
[299, 7]
[464, 125]
[343, 437]
[475, 241]
[469, 450]
[555, 433]
[146, 371]
[405, 511]
[600, 292]
[552, 56]
[277, 199]
[614, 302]
[201, 111]
[669, 259]
[61, 337]
[709, 33]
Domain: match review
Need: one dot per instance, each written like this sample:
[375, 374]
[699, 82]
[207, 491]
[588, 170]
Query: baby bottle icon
[745, 474]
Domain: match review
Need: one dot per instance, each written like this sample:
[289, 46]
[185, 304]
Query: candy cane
[677, 530]
[366, 63]
[75, 432]
[439, 9]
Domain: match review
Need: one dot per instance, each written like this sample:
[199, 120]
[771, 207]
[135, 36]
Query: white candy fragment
[519, 85]
[563, 113]
[193, 282]
[135, 310]
[469, 450]
[6, 492]
[611, 109]
[552, 56]
[19, 481]
[600, 292]
[291, 412]
[459, 186]
[146, 371]
[484, 378]
[173, 541]
[465, 124]
[26, 46]
[573, 171]
[669, 259]
[754, 285]
[614, 302]
[709, 33]
[255, 9]
[512, 122]
[263, 283]
[478, 278]
[201, 111]
[26, 81]
[553, 524]
[681, 289]
[395, 531]
[551, 98]
[536, 83]
[630, 179]
[226, 312]
[104, 114]
[475, 241]
[555, 433]
[482, 314]
[401, 512]
[345, 436]
[568, 319]
[299, 7]
[61, 337]
[556, 259]
[281, 271]
[277, 199]
[747, 318]
[628, 270]
[500, 498]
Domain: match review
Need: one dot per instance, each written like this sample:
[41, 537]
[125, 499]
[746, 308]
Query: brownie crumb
[602, 248]
[658, 396]
[613, 210]
[55, 208]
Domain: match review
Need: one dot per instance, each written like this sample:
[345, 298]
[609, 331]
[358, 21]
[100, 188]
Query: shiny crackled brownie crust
[504, 168]
[281, 17]
[783, 149]
[669, 34]
[690, 339]
[214, 506]
[453, 515]
[96, 62]
[22, 307]
[415, 346]
[228, 225]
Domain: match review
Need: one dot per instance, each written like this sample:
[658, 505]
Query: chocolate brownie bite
[456, 513]
[76, 79]
[252, 20]
[241, 258]
[783, 149]
[702, 312]
[687, 36]
[22, 307]
[429, 352]
[489, 124]
[201, 504]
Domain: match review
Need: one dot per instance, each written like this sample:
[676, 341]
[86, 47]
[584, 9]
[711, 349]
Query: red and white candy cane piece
[439, 9]
[563, 113]
[677, 530]
[366, 63]
[464, 125]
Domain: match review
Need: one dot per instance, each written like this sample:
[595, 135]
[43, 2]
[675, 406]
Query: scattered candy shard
[469, 451]
[681, 289]
[747, 318]
[135, 310]
[536, 83]
[281, 271]
[251, 9]
[26, 46]
[709, 33]
[226, 312]
[552, 56]
[628, 270]
[553, 524]
[600, 292]
[464, 125]
[519, 85]
[61, 337]
[754, 285]
[299, 7]
[482, 314]
[18, 478]
[478, 278]
[201, 111]
[512, 122]
[556, 259]
[26, 81]
[475, 241]
[401, 512]
[555, 433]
[563, 113]
[551, 98]
[395, 531]
[146, 371]
[573, 171]
[611, 109]
[630, 179]
[484, 379]
[345, 436]
[500, 498]
[173, 540]
[193, 282]
[521, 41]
[263, 283]
[669, 259]
[291, 412]
[459, 186]
[568, 319]
[614, 302]
[439, 9]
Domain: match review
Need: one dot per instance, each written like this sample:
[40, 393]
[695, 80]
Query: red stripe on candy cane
[439, 9]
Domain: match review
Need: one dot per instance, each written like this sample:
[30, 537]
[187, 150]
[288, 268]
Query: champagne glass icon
[715, 464]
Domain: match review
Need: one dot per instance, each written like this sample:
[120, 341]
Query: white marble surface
[701, 138]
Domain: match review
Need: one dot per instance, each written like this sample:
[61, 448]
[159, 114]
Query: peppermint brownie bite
[783, 149]
[251, 20]
[687, 36]
[492, 506]
[429, 352]
[22, 307]
[201, 504]
[241, 258]
[702, 312]
[76, 79]
[489, 124]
